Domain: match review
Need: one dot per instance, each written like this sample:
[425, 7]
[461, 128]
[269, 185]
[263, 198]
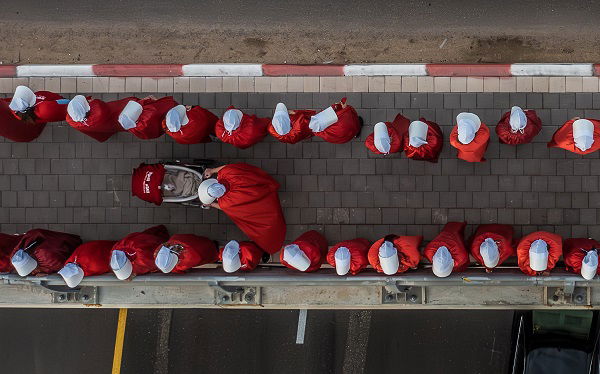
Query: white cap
[388, 258]
[72, 274]
[23, 262]
[78, 108]
[166, 260]
[281, 120]
[323, 119]
[417, 133]
[210, 190]
[342, 260]
[381, 138]
[468, 125]
[232, 119]
[176, 118]
[120, 264]
[231, 257]
[490, 253]
[22, 100]
[583, 134]
[589, 265]
[442, 262]
[538, 255]
[293, 255]
[130, 114]
[518, 119]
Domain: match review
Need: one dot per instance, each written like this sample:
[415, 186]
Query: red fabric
[346, 127]
[46, 108]
[250, 255]
[299, 127]
[314, 246]
[507, 136]
[563, 138]
[252, 203]
[427, 152]
[201, 123]
[575, 249]
[197, 251]
[396, 130]
[52, 250]
[15, 129]
[408, 252]
[452, 237]
[251, 131]
[554, 250]
[474, 151]
[501, 234]
[93, 257]
[149, 124]
[139, 248]
[102, 120]
[7, 244]
[359, 249]
[146, 181]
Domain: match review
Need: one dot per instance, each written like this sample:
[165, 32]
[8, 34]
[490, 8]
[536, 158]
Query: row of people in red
[43, 252]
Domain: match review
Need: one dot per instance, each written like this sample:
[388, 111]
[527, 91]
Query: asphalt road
[256, 341]
[311, 31]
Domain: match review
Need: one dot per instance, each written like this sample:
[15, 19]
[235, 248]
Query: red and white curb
[283, 70]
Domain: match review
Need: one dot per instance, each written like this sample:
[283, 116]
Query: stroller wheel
[265, 258]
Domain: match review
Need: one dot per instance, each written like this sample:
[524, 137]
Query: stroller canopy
[146, 181]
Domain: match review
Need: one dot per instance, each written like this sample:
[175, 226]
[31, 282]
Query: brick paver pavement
[67, 181]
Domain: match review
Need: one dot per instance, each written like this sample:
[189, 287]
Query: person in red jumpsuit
[243, 256]
[96, 118]
[24, 116]
[290, 126]
[7, 245]
[143, 118]
[42, 252]
[395, 254]
[185, 251]
[447, 251]
[248, 196]
[492, 244]
[423, 141]
[387, 137]
[518, 126]
[349, 256]
[307, 253]
[539, 252]
[90, 258]
[580, 136]
[189, 124]
[240, 129]
[134, 254]
[581, 256]
[337, 124]
[470, 137]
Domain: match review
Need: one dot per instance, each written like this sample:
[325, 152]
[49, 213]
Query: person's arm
[215, 205]
[209, 172]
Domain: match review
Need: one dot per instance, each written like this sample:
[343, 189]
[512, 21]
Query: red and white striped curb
[281, 70]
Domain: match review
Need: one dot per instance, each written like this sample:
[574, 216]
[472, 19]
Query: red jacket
[251, 131]
[358, 248]
[554, 242]
[251, 201]
[52, 249]
[199, 128]
[102, 120]
[452, 237]
[250, 255]
[396, 131]
[507, 136]
[427, 152]
[93, 257]
[474, 151]
[149, 124]
[197, 251]
[139, 248]
[314, 246]
[345, 129]
[575, 249]
[408, 252]
[563, 138]
[299, 127]
[501, 234]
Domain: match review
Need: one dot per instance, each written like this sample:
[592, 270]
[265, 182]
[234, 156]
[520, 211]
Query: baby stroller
[171, 182]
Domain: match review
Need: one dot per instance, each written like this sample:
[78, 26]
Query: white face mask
[381, 138]
[538, 255]
[232, 119]
[443, 263]
[518, 119]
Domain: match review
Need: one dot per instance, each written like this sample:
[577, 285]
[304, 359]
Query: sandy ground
[267, 31]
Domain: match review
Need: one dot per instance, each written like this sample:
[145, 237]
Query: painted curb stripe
[273, 70]
[552, 70]
[468, 70]
[8, 71]
[222, 70]
[106, 70]
[55, 71]
[381, 69]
